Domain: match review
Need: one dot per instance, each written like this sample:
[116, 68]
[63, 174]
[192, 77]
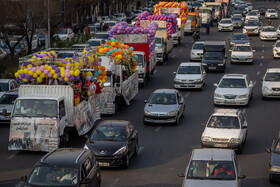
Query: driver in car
[71, 176]
[223, 171]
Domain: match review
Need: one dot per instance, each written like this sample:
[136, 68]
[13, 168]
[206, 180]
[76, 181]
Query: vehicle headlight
[147, 112]
[217, 95]
[172, 113]
[243, 96]
[235, 140]
[121, 151]
[197, 80]
[266, 88]
[275, 168]
[177, 80]
[206, 139]
[193, 53]
[86, 147]
[204, 64]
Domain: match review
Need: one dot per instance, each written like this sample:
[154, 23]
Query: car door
[243, 126]
[250, 85]
[180, 99]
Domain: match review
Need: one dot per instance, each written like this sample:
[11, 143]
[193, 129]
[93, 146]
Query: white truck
[121, 84]
[146, 65]
[44, 115]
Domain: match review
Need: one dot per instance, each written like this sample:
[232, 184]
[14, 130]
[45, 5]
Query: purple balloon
[57, 70]
[72, 78]
[27, 76]
[22, 76]
[77, 78]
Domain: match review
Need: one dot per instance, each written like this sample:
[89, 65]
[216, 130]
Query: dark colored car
[6, 105]
[65, 167]
[113, 142]
[239, 38]
[42, 38]
[274, 163]
[261, 10]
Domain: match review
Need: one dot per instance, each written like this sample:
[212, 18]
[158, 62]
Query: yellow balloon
[66, 79]
[25, 80]
[49, 68]
[29, 66]
[119, 56]
[42, 75]
[35, 75]
[88, 93]
[39, 80]
[62, 74]
[25, 71]
[20, 71]
[30, 73]
[38, 71]
[55, 76]
[16, 74]
[88, 73]
[113, 44]
[71, 73]
[76, 73]
[52, 72]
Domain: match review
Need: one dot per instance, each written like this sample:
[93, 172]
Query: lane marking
[262, 45]
[255, 82]
[263, 51]
[155, 71]
[243, 111]
[12, 156]
[261, 64]
[173, 56]
[140, 150]
[115, 182]
[157, 129]
[258, 72]
[262, 57]
[187, 94]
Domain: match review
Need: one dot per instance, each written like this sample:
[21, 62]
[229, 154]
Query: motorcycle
[196, 34]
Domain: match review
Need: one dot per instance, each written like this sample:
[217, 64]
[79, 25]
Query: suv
[65, 167]
[226, 128]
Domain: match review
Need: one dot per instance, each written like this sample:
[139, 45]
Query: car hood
[225, 25]
[251, 27]
[210, 183]
[197, 51]
[8, 107]
[242, 54]
[237, 21]
[275, 159]
[221, 133]
[61, 35]
[232, 91]
[106, 148]
[160, 109]
[188, 76]
[271, 84]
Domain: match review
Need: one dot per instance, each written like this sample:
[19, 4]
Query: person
[87, 30]
[72, 176]
[105, 27]
[216, 122]
[277, 148]
[119, 135]
[223, 171]
[33, 110]
[207, 27]
[52, 111]
[269, 22]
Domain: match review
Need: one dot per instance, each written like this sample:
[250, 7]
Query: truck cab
[159, 49]
[142, 67]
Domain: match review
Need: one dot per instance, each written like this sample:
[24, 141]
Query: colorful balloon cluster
[171, 22]
[123, 28]
[183, 9]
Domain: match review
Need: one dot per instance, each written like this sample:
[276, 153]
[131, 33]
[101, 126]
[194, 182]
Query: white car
[190, 75]
[226, 128]
[120, 16]
[197, 51]
[250, 7]
[271, 83]
[237, 16]
[271, 13]
[64, 34]
[268, 33]
[242, 53]
[251, 28]
[276, 49]
[233, 89]
[225, 25]
[252, 15]
[258, 13]
[278, 31]
[102, 35]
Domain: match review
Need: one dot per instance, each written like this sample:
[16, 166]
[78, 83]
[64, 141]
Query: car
[262, 10]
[268, 33]
[274, 165]
[6, 105]
[61, 55]
[65, 167]
[94, 42]
[120, 16]
[226, 128]
[42, 38]
[245, 6]
[276, 49]
[242, 53]
[190, 75]
[78, 47]
[278, 31]
[271, 13]
[164, 106]
[92, 29]
[233, 89]
[271, 83]
[7, 85]
[242, 10]
[258, 13]
[237, 13]
[21, 47]
[110, 23]
[251, 28]
[225, 25]
[102, 35]
[252, 15]
[64, 34]
[2, 53]
[239, 38]
[212, 167]
[137, 12]
[35, 44]
[113, 143]
[237, 22]
[197, 51]
[254, 19]
[250, 7]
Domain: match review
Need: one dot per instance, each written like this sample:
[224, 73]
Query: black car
[65, 167]
[261, 10]
[274, 163]
[113, 142]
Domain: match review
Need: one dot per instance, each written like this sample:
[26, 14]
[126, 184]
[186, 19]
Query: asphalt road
[165, 149]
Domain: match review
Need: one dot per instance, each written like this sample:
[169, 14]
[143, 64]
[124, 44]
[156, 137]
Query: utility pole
[49, 27]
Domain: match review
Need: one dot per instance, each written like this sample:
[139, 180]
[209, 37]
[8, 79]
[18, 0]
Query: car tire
[263, 97]
[183, 113]
[202, 86]
[126, 164]
[177, 120]
[251, 97]
[271, 179]
[136, 151]
[245, 140]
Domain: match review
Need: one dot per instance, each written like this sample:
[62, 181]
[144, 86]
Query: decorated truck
[143, 46]
[193, 22]
[121, 83]
[55, 99]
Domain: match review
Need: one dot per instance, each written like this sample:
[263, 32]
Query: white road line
[187, 94]
[263, 51]
[255, 82]
[258, 72]
[262, 45]
[261, 64]
[243, 111]
[12, 155]
[155, 71]
[157, 129]
[262, 57]
[115, 182]
[140, 150]
[173, 56]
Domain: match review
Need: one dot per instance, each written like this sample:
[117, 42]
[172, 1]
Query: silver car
[164, 106]
[212, 168]
[7, 85]
[6, 105]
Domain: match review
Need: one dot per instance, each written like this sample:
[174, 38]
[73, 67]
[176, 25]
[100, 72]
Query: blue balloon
[115, 49]
[136, 57]
[131, 48]
[111, 51]
[113, 40]
[99, 72]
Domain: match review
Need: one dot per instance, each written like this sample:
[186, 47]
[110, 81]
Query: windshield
[109, 133]
[158, 41]
[4, 87]
[140, 60]
[277, 44]
[268, 29]
[244, 48]
[41, 35]
[35, 108]
[189, 70]
[252, 23]
[190, 17]
[213, 55]
[214, 170]
[236, 19]
[62, 55]
[8, 99]
[163, 99]
[227, 122]
[272, 11]
[197, 4]
[119, 15]
[198, 46]
[225, 21]
[53, 176]
[92, 28]
[232, 83]
[101, 36]
[272, 77]
[111, 23]
[239, 37]
[235, 13]
[252, 13]
[93, 43]
[64, 31]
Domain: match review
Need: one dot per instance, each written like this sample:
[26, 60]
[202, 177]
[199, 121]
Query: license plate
[230, 102]
[211, 67]
[104, 164]
[220, 145]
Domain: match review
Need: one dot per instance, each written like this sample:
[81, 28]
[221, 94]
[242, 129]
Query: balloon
[62, 74]
[76, 73]
[38, 71]
[72, 78]
[25, 71]
[35, 75]
[66, 79]
[42, 68]
[16, 74]
[52, 72]
[30, 73]
[42, 75]
[39, 80]
[55, 76]
[88, 78]
[67, 75]
[71, 73]
[50, 75]
[99, 72]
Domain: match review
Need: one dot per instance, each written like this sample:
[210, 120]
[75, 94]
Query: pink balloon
[50, 75]
[42, 68]
[88, 78]
[118, 32]
[46, 72]
[29, 68]
[33, 69]
[68, 67]
[67, 74]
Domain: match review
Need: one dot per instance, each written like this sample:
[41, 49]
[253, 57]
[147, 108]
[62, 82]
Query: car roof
[190, 64]
[241, 76]
[165, 91]
[213, 154]
[95, 39]
[79, 45]
[242, 45]
[70, 157]
[226, 19]
[273, 70]
[225, 112]
[239, 34]
[119, 123]
[268, 27]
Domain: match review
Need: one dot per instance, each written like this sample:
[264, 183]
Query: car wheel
[177, 120]
[126, 164]
[251, 97]
[183, 113]
[245, 140]
[202, 86]
[270, 179]
[136, 151]
[263, 97]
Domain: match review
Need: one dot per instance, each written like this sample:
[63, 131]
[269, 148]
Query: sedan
[233, 89]
[261, 10]
[242, 53]
[268, 33]
[237, 22]
[271, 13]
[164, 106]
[252, 15]
[274, 164]
[190, 75]
[276, 49]
[197, 51]
[225, 25]
[251, 28]
[113, 143]
[271, 83]
[64, 34]
[239, 38]
[278, 31]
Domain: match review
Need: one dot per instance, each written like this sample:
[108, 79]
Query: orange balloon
[102, 68]
[103, 73]
[116, 42]
[114, 53]
[100, 77]
[123, 58]
[109, 42]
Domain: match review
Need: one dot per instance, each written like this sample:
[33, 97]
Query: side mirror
[268, 150]
[242, 177]
[215, 84]
[23, 178]
[86, 181]
[174, 72]
[4, 112]
[181, 175]
[145, 101]
[203, 124]
[254, 51]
